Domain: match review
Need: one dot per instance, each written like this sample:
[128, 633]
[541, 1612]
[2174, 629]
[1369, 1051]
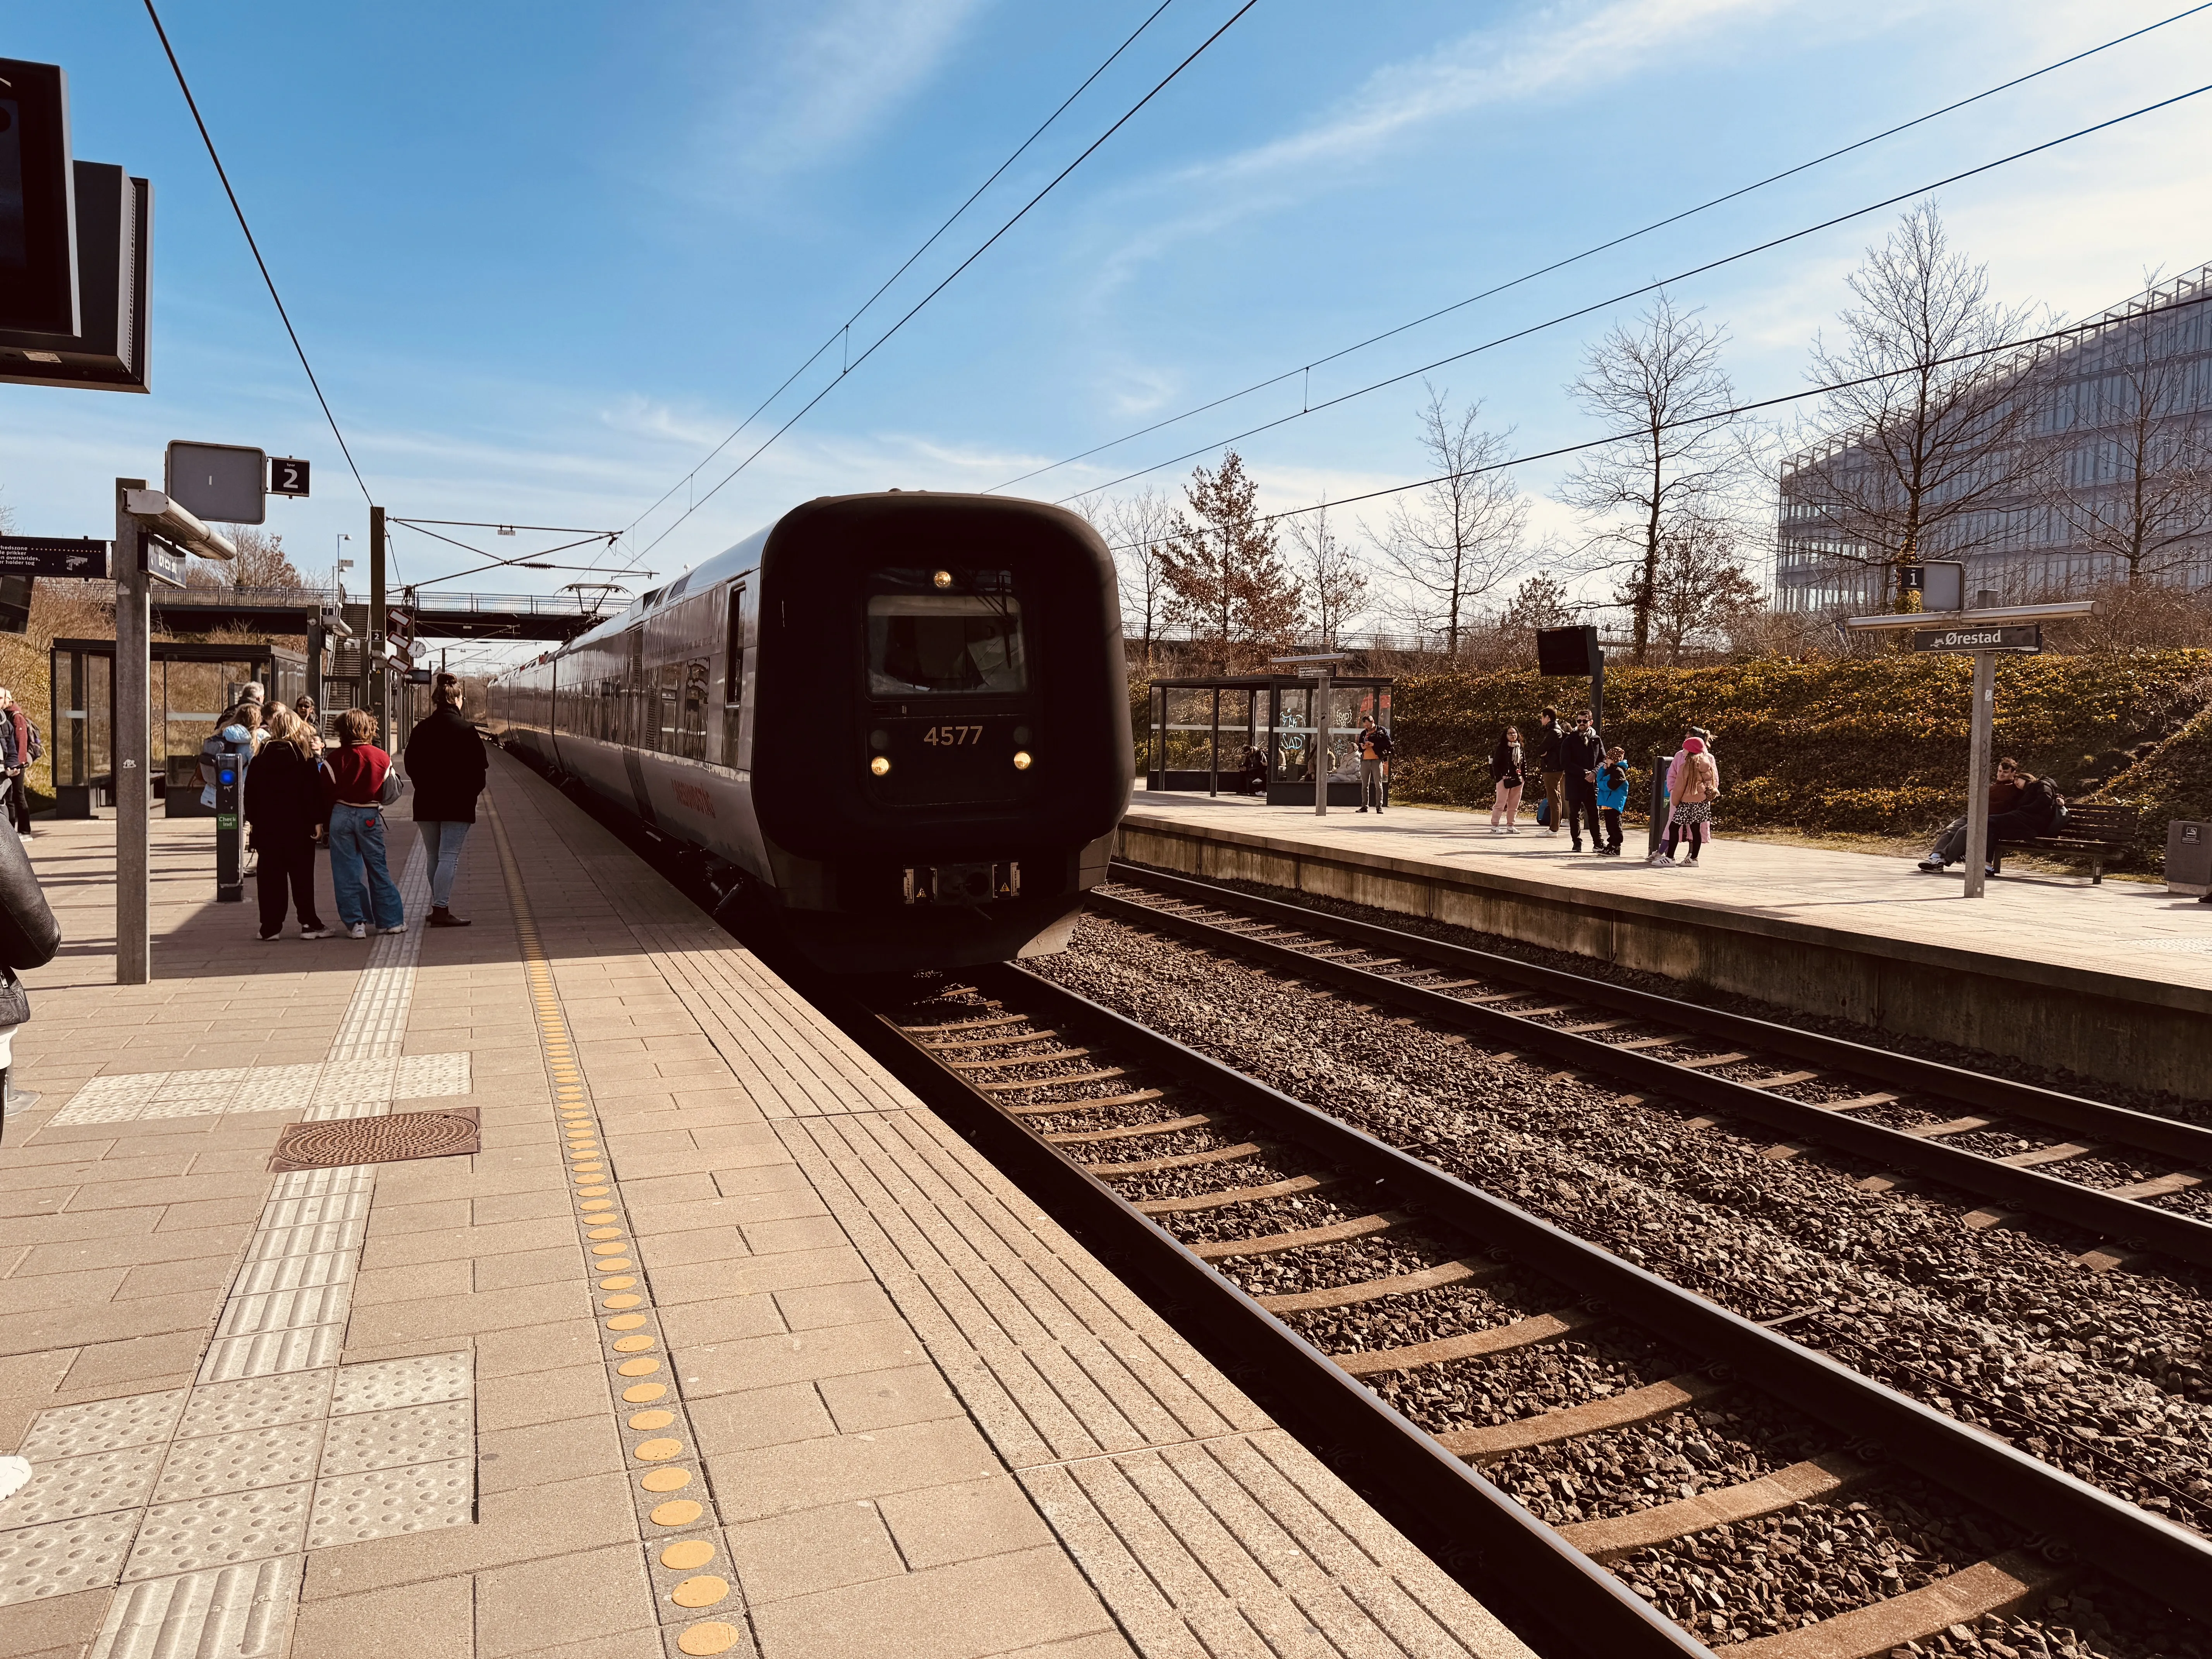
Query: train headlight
[1021, 760]
[880, 765]
[943, 579]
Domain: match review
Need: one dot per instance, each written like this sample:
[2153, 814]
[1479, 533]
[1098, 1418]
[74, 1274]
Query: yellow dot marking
[625, 1321]
[614, 1261]
[593, 1192]
[712, 1637]
[700, 1592]
[637, 1367]
[622, 1301]
[665, 1480]
[619, 1282]
[676, 1512]
[642, 1421]
[639, 1392]
[605, 1232]
[657, 1451]
[685, 1553]
[634, 1344]
[590, 1204]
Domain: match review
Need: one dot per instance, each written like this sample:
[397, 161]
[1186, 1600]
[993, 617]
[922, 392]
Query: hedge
[1875, 744]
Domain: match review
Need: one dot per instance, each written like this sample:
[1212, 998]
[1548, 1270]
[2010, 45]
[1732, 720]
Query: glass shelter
[1260, 734]
[192, 686]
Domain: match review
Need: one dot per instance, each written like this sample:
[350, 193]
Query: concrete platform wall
[2096, 1024]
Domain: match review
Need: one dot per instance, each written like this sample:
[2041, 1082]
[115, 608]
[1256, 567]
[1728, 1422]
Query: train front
[940, 748]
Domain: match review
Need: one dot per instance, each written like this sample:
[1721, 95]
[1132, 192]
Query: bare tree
[1332, 581]
[1225, 580]
[1702, 588]
[1649, 381]
[1923, 453]
[2139, 498]
[261, 561]
[1539, 602]
[1454, 539]
[1136, 529]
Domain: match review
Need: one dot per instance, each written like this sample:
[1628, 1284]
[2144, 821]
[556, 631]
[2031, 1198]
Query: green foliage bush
[1876, 744]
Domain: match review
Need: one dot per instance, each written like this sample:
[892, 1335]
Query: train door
[736, 659]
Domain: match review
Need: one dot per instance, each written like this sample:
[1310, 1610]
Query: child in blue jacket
[1612, 796]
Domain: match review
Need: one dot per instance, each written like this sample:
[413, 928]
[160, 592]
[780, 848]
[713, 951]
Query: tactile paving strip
[383, 1502]
[242, 1612]
[356, 1088]
[77, 1486]
[138, 1420]
[698, 1605]
[64, 1556]
[241, 1462]
[213, 1532]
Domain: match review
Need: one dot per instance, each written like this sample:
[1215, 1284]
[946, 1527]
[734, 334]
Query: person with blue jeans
[445, 763]
[360, 878]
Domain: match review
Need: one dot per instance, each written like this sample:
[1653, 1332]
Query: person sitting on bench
[2041, 811]
[2004, 795]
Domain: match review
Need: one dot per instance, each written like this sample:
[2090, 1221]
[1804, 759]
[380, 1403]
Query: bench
[2093, 831]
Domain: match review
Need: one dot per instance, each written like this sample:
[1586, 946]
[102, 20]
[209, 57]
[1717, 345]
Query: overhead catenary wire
[1634, 293]
[1305, 370]
[841, 334]
[283, 316]
[915, 309]
[1731, 413]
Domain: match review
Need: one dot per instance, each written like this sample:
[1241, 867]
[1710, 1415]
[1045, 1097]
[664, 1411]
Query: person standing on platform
[237, 739]
[446, 762]
[1693, 781]
[284, 809]
[16, 756]
[1550, 769]
[305, 709]
[1509, 772]
[354, 778]
[1374, 756]
[1582, 751]
[1612, 798]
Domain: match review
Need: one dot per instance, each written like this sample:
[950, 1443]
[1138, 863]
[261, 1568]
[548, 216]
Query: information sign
[287, 476]
[222, 484]
[53, 556]
[163, 562]
[2023, 641]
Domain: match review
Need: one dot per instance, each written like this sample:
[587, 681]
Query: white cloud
[817, 78]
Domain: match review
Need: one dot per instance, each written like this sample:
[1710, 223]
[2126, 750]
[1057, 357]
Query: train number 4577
[951, 737]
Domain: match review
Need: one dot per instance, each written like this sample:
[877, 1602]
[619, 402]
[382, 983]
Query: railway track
[1220, 1189]
[2015, 1144]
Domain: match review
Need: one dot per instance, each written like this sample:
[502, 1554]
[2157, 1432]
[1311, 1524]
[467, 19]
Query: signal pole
[372, 646]
[133, 744]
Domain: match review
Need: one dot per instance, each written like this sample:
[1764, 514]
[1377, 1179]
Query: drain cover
[402, 1135]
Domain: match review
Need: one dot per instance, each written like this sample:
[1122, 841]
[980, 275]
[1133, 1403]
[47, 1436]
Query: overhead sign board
[108, 351]
[287, 476]
[38, 201]
[1569, 651]
[52, 556]
[2026, 641]
[220, 483]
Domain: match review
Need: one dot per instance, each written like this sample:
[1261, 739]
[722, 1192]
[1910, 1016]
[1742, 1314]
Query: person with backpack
[446, 762]
[2041, 811]
[15, 754]
[1693, 783]
[1374, 756]
[237, 739]
[1550, 805]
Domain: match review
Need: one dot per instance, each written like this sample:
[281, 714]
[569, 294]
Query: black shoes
[441, 917]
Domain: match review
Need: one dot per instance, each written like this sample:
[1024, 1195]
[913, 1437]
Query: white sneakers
[358, 930]
[399, 928]
[1660, 861]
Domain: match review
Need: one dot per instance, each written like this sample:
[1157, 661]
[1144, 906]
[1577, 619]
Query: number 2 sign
[287, 478]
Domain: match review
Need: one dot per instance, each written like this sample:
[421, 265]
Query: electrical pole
[372, 646]
[133, 744]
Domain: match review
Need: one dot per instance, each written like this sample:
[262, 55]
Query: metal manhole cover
[341, 1141]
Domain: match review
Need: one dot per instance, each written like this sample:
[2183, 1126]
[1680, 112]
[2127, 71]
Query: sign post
[1317, 757]
[2013, 629]
[53, 555]
[372, 663]
[134, 740]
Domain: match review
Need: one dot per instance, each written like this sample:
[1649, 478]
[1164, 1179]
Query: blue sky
[545, 257]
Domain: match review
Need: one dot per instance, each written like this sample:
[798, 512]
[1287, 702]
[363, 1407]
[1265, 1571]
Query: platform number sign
[287, 476]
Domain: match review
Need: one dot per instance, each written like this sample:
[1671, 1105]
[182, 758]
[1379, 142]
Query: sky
[544, 259]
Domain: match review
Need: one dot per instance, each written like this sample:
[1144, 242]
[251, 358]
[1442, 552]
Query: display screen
[926, 638]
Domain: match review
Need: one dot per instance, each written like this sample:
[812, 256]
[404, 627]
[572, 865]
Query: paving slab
[722, 1343]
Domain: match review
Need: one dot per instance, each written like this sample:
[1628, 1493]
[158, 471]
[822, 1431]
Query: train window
[963, 634]
[693, 743]
[734, 676]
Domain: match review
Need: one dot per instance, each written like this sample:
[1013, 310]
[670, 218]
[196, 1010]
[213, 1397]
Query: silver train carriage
[899, 722]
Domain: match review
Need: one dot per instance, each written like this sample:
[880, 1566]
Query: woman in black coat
[1509, 771]
[284, 807]
[445, 764]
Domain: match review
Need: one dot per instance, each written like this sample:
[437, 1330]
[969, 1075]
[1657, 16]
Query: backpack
[2044, 803]
[38, 747]
[215, 751]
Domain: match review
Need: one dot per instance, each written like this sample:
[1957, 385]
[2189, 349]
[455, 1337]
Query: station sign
[2022, 640]
[164, 564]
[287, 476]
[222, 484]
[53, 556]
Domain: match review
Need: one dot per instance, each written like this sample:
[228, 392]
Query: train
[893, 726]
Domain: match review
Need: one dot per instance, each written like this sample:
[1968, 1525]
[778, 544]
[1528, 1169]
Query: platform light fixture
[943, 579]
[880, 765]
[1021, 760]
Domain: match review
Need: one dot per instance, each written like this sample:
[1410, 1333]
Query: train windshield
[961, 635]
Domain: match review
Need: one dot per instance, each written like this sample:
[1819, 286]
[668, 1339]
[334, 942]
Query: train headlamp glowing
[1021, 760]
[943, 579]
[880, 765]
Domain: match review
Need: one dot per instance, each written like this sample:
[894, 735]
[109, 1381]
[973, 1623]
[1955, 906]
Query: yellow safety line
[678, 1520]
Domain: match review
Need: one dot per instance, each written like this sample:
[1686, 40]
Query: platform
[779, 1367]
[2113, 981]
